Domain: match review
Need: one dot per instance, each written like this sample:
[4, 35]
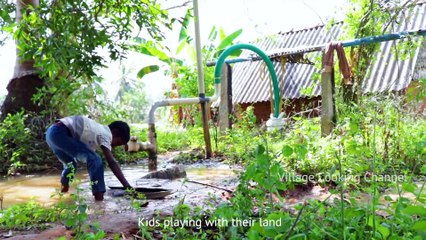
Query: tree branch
[208, 185]
[179, 6]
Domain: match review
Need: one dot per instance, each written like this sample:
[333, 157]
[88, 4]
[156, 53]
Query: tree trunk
[20, 91]
[25, 82]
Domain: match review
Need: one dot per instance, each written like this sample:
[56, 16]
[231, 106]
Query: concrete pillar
[225, 107]
[328, 108]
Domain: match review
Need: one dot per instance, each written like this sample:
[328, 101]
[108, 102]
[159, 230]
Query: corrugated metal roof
[386, 74]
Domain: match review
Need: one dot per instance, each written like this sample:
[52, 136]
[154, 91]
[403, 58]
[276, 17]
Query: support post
[204, 112]
[201, 87]
[152, 153]
[328, 108]
[225, 108]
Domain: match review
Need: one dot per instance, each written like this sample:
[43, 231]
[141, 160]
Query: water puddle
[21, 189]
[116, 214]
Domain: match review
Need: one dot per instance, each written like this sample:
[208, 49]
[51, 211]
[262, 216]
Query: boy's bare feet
[99, 196]
[65, 188]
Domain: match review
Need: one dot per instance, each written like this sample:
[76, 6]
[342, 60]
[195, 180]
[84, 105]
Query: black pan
[150, 193]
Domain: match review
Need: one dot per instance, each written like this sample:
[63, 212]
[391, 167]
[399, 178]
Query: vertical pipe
[201, 87]
[152, 153]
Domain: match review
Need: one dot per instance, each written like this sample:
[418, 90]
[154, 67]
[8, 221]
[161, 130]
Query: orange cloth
[343, 61]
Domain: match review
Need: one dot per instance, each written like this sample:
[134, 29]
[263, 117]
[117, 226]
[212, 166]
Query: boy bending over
[76, 138]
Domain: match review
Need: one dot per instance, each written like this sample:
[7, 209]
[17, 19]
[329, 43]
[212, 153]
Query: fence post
[328, 108]
[225, 107]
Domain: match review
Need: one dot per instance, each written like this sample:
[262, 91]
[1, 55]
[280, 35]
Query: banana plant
[218, 41]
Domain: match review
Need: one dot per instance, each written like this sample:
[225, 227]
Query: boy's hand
[115, 168]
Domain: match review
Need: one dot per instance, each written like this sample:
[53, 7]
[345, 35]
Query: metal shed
[389, 72]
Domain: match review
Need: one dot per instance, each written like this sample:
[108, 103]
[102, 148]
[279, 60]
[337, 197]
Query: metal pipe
[181, 101]
[152, 151]
[151, 145]
[216, 96]
[349, 43]
[201, 87]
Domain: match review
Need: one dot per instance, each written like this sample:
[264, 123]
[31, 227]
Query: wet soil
[116, 214]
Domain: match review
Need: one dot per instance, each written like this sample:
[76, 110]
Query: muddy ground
[116, 215]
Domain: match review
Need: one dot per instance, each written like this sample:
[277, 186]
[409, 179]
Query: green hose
[230, 50]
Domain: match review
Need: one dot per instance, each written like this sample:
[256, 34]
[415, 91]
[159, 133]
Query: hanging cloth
[343, 61]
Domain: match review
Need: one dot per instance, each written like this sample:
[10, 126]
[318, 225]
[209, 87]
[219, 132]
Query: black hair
[122, 130]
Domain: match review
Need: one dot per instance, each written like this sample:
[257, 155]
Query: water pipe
[269, 64]
[349, 43]
[277, 120]
[151, 145]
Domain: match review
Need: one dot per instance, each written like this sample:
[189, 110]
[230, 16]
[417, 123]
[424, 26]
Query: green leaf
[409, 187]
[181, 46]
[82, 208]
[227, 41]
[419, 226]
[192, 53]
[423, 169]
[301, 151]
[297, 236]
[371, 221]
[144, 50]
[213, 34]
[70, 222]
[184, 29]
[332, 170]
[236, 53]
[388, 198]
[287, 151]
[384, 231]
[250, 171]
[150, 50]
[222, 34]
[260, 150]
[415, 210]
[146, 70]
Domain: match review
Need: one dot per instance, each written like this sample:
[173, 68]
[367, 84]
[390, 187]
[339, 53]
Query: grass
[370, 141]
